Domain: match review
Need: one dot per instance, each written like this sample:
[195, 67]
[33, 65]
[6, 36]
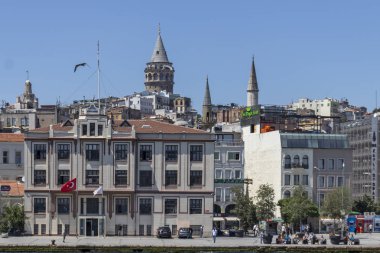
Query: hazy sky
[304, 48]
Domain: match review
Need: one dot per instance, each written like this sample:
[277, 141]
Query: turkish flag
[69, 186]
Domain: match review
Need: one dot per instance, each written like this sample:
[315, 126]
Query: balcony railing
[228, 181]
[230, 143]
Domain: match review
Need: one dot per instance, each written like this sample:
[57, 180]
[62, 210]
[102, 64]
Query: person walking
[261, 237]
[201, 231]
[370, 228]
[214, 234]
[64, 233]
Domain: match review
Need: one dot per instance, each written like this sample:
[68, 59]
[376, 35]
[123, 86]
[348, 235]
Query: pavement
[371, 241]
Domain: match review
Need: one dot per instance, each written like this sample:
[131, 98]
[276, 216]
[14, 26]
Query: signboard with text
[5, 188]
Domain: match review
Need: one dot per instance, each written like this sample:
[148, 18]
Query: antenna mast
[98, 79]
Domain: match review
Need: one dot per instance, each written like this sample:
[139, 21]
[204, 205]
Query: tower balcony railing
[229, 143]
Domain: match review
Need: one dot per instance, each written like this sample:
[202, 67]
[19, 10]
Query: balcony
[230, 143]
[228, 181]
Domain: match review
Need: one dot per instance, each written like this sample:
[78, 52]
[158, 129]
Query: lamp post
[342, 211]
[247, 181]
[318, 198]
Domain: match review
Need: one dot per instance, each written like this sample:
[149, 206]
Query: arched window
[305, 162]
[161, 76]
[287, 162]
[167, 77]
[296, 161]
[155, 76]
[230, 210]
[217, 210]
[286, 194]
[150, 76]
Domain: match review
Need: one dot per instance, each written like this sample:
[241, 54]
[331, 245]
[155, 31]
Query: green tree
[245, 209]
[298, 207]
[364, 205]
[337, 201]
[13, 217]
[265, 205]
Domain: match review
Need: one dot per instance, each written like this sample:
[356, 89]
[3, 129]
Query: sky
[302, 48]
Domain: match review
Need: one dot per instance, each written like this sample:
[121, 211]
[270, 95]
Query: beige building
[152, 173]
[12, 154]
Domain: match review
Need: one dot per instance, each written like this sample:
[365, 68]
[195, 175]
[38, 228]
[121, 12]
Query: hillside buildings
[152, 174]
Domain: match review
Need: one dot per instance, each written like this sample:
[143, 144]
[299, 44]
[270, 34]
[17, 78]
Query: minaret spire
[253, 88]
[207, 106]
[159, 52]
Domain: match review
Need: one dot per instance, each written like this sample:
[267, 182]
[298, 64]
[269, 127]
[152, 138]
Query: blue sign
[5, 188]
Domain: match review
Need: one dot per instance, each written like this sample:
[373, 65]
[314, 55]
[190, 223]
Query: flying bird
[79, 65]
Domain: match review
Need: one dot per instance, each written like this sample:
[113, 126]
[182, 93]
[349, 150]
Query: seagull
[79, 65]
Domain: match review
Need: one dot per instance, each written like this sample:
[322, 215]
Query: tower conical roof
[207, 98]
[159, 53]
[252, 83]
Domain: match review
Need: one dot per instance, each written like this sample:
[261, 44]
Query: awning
[218, 219]
[232, 219]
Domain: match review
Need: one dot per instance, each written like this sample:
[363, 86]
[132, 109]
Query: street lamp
[342, 211]
[247, 181]
[318, 197]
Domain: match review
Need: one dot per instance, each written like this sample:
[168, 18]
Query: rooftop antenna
[98, 79]
[376, 100]
[27, 75]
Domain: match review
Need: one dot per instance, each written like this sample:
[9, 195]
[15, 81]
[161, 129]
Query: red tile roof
[7, 137]
[17, 188]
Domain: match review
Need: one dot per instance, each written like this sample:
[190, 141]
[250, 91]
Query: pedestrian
[370, 228]
[261, 237]
[201, 231]
[190, 235]
[283, 229]
[64, 233]
[214, 234]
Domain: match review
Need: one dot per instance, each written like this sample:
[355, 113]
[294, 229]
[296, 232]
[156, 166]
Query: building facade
[152, 174]
[12, 155]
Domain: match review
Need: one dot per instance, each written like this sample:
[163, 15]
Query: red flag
[69, 185]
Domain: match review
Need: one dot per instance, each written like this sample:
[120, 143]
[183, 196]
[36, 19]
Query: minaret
[159, 72]
[253, 88]
[207, 106]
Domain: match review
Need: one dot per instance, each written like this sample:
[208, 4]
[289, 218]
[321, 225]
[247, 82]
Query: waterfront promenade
[370, 242]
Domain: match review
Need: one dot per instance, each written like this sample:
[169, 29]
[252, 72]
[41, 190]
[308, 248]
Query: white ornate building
[153, 174]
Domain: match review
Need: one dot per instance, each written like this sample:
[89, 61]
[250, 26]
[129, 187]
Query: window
[296, 179]
[40, 177]
[145, 178]
[227, 194]
[39, 205]
[195, 206]
[92, 129]
[330, 181]
[218, 174]
[340, 164]
[331, 164]
[39, 151]
[321, 182]
[121, 177]
[121, 206]
[171, 153]
[227, 174]
[287, 163]
[339, 181]
[8, 122]
[100, 130]
[305, 162]
[238, 174]
[321, 164]
[305, 180]
[145, 206]
[216, 155]
[296, 161]
[63, 151]
[218, 194]
[146, 153]
[92, 177]
[321, 199]
[287, 179]
[233, 156]
[196, 153]
[92, 152]
[121, 152]
[92, 205]
[18, 157]
[5, 157]
[195, 177]
[63, 176]
[63, 205]
[171, 177]
[286, 194]
[170, 206]
[13, 121]
[84, 129]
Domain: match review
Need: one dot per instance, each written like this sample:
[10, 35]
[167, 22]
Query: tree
[265, 205]
[245, 209]
[337, 201]
[298, 207]
[364, 205]
[12, 218]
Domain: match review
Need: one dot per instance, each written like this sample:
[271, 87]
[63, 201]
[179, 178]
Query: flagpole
[98, 79]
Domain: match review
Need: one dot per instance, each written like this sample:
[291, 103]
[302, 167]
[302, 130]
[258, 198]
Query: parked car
[164, 232]
[185, 233]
